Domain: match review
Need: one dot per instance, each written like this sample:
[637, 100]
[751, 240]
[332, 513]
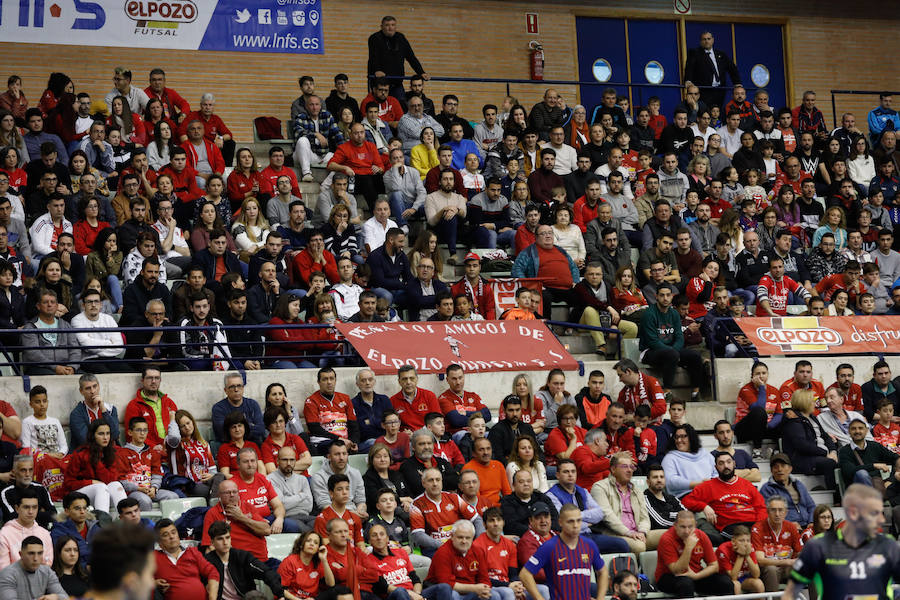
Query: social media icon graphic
[264, 16]
[314, 17]
[299, 18]
[282, 18]
[242, 16]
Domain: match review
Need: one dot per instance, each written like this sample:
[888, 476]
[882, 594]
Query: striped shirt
[568, 570]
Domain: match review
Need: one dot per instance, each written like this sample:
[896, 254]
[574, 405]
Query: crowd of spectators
[445, 481]
[633, 221]
[727, 209]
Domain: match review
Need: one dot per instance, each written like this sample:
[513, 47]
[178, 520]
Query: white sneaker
[307, 177]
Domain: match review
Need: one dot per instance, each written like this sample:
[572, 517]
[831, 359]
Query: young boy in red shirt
[886, 432]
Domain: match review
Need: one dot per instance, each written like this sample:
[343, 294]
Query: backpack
[628, 563]
[190, 523]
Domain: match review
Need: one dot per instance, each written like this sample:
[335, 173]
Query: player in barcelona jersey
[567, 560]
[852, 563]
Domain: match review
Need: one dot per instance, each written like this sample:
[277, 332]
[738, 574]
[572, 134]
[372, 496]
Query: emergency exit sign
[531, 23]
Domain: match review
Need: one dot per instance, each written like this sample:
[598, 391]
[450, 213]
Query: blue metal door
[602, 58]
[760, 60]
[654, 60]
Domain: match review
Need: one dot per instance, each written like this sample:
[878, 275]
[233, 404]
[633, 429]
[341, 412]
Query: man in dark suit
[707, 67]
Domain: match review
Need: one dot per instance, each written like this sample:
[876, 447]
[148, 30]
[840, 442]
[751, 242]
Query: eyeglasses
[235, 386]
[681, 436]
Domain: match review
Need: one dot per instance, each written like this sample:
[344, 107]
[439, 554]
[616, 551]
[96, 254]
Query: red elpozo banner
[809, 335]
[431, 346]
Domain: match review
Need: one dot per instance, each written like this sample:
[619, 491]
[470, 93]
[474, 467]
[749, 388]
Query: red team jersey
[500, 556]
[437, 518]
[300, 579]
[749, 396]
[727, 556]
[776, 292]
[782, 544]
[647, 391]
[256, 493]
[352, 520]
[412, 414]
[887, 436]
[333, 415]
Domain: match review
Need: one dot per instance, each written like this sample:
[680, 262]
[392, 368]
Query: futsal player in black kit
[853, 562]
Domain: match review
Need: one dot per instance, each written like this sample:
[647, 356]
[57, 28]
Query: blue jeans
[115, 290]
[397, 297]
[290, 525]
[495, 595]
[448, 232]
[292, 364]
[746, 294]
[608, 544]
[398, 204]
[862, 476]
[489, 238]
[438, 591]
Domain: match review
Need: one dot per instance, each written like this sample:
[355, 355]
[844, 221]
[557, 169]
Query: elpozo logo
[799, 334]
[160, 17]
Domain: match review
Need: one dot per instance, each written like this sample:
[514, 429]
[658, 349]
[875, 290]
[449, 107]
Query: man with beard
[725, 502]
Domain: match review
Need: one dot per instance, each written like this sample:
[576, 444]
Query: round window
[602, 70]
[654, 72]
[760, 75]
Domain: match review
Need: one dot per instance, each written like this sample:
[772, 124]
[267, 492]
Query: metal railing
[630, 86]
[10, 354]
[834, 112]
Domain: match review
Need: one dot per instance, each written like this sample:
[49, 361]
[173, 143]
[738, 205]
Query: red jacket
[450, 567]
[737, 501]
[80, 472]
[138, 133]
[584, 214]
[619, 441]
[360, 158]
[213, 154]
[239, 184]
[170, 100]
[303, 267]
[138, 407]
[185, 183]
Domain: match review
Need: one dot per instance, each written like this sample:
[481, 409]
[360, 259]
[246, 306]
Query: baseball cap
[780, 457]
[471, 256]
[539, 508]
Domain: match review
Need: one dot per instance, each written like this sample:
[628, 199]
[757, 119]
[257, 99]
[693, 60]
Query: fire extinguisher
[537, 60]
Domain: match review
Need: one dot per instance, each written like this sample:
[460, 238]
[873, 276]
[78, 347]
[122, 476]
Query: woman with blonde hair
[730, 225]
[250, 229]
[804, 440]
[834, 221]
[532, 407]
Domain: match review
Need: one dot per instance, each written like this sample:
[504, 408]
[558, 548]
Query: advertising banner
[775, 336]
[478, 346]
[292, 26]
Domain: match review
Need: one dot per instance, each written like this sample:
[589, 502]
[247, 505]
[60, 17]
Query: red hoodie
[737, 501]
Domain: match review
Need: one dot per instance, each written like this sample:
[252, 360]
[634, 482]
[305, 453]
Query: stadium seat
[264, 589]
[648, 565]
[172, 509]
[359, 462]
[280, 544]
[422, 572]
[317, 462]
